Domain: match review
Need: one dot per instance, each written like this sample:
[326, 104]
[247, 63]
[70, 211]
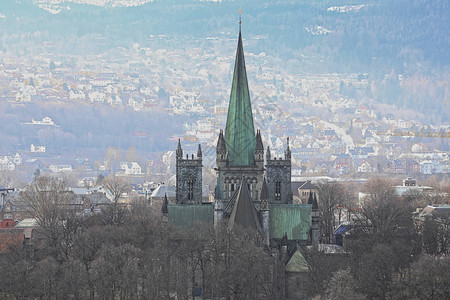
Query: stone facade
[278, 173]
[188, 177]
[279, 180]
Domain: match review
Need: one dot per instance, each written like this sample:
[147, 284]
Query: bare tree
[426, 278]
[117, 186]
[10, 179]
[131, 154]
[383, 240]
[384, 214]
[334, 198]
[112, 157]
[48, 200]
[342, 286]
[320, 270]
[115, 214]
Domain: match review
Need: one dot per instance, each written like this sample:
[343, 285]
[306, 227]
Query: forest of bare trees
[387, 256]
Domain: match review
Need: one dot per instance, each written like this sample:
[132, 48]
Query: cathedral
[253, 188]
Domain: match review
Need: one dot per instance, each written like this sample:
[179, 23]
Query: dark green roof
[183, 215]
[292, 219]
[239, 132]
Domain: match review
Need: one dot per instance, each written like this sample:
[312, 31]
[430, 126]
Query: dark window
[190, 187]
[278, 190]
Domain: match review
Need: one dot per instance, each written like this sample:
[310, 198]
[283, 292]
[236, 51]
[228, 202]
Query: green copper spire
[240, 133]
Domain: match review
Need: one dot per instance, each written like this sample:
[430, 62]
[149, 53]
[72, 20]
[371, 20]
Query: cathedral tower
[279, 176]
[189, 177]
[240, 153]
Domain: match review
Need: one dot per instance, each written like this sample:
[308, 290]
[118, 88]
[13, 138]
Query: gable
[243, 212]
[297, 262]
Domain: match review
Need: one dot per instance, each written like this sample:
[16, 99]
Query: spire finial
[240, 20]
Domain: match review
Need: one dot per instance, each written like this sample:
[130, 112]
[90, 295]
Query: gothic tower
[279, 176]
[188, 177]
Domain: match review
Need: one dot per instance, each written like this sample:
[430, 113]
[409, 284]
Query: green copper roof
[183, 215]
[239, 132]
[293, 219]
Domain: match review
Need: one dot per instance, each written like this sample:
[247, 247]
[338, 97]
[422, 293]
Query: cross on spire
[240, 20]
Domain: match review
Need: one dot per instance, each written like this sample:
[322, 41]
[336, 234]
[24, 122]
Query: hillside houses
[9, 162]
[330, 127]
[6, 164]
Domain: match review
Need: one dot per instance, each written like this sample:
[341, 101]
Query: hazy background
[404, 38]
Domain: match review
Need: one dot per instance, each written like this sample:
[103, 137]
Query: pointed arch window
[190, 187]
[278, 189]
[232, 187]
[227, 187]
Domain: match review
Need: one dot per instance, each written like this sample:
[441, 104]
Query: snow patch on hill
[317, 30]
[55, 6]
[346, 8]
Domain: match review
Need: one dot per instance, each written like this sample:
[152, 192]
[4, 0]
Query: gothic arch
[190, 187]
[277, 188]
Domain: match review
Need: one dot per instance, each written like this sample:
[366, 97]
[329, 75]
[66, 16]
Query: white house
[135, 168]
[111, 89]
[47, 121]
[23, 96]
[197, 109]
[97, 97]
[313, 145]
[77, 95]
[17, 159]
[114, 99]
[419, 147]
[29, 89]
[40, 149]
[365, 167]
[204, 125]
[426, 167]
[60, 168]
